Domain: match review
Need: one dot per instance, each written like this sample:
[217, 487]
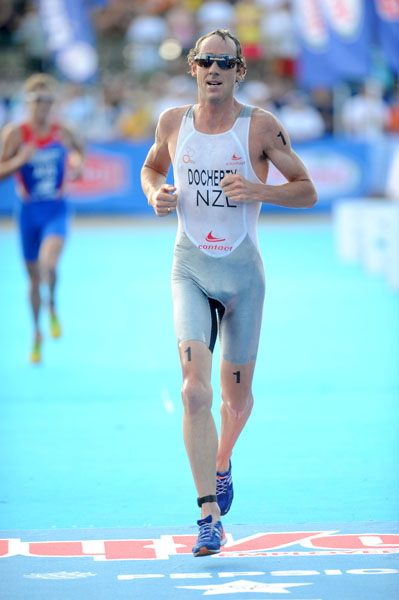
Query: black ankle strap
[201, 501]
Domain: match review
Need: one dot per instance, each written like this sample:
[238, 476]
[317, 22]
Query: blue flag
[313, 64]
[335, 39]
[349, 32]
[388, 30]
[70, 38]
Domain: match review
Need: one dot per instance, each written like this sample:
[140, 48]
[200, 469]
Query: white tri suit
[217, 268]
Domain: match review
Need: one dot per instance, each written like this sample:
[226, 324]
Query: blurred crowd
[142, 50]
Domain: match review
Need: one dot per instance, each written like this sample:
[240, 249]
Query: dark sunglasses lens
[229, 63]
[42, 98]
[204, 62]
[226, 62]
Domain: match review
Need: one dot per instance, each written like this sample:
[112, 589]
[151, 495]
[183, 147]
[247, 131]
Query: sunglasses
[224, 61]
[39, 98]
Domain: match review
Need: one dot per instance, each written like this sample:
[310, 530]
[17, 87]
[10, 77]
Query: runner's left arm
[76, 152]
[273, 143]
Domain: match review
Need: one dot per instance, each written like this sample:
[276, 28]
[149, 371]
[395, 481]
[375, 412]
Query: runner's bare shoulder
[264, 121]
[171, 118]
[11, 139]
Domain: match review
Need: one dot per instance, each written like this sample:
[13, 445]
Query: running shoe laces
[224, 490]
[210, 538]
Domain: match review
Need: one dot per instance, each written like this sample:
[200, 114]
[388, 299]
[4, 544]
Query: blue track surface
[92, 437]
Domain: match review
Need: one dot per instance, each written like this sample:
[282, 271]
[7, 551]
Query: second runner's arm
[14, 154]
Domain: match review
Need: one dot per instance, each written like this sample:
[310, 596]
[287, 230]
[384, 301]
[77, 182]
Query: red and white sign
[102, 174]
[313, 543]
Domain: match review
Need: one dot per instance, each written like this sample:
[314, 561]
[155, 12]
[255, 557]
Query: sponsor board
[334, 173]
[102, 175]
[111, 183]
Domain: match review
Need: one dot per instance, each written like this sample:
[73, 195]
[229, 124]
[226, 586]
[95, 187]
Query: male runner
[220, 151]
[37, 152]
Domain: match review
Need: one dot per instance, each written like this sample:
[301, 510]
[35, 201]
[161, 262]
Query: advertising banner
[111, 182]
[338, 167]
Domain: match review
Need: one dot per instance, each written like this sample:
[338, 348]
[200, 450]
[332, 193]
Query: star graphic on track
[244, 586]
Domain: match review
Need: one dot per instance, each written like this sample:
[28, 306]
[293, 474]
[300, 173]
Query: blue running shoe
[224, 490]
[209, 539]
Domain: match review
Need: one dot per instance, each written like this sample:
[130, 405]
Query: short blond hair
[39, 80]
[224, 34]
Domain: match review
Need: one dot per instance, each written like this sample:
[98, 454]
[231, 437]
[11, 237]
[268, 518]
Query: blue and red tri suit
[41, 183]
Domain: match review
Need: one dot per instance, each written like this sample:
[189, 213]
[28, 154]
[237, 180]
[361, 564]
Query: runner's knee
[196, 395]
[34, 278]
[35, 283]
[240, 406]
[49, 262]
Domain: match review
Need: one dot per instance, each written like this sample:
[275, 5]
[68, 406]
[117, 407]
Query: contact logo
[211, 238]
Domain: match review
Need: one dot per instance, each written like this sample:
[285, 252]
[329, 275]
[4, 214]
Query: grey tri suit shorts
[224, 295]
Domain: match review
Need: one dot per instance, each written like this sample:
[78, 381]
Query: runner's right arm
[161, 195]
[13, 154]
